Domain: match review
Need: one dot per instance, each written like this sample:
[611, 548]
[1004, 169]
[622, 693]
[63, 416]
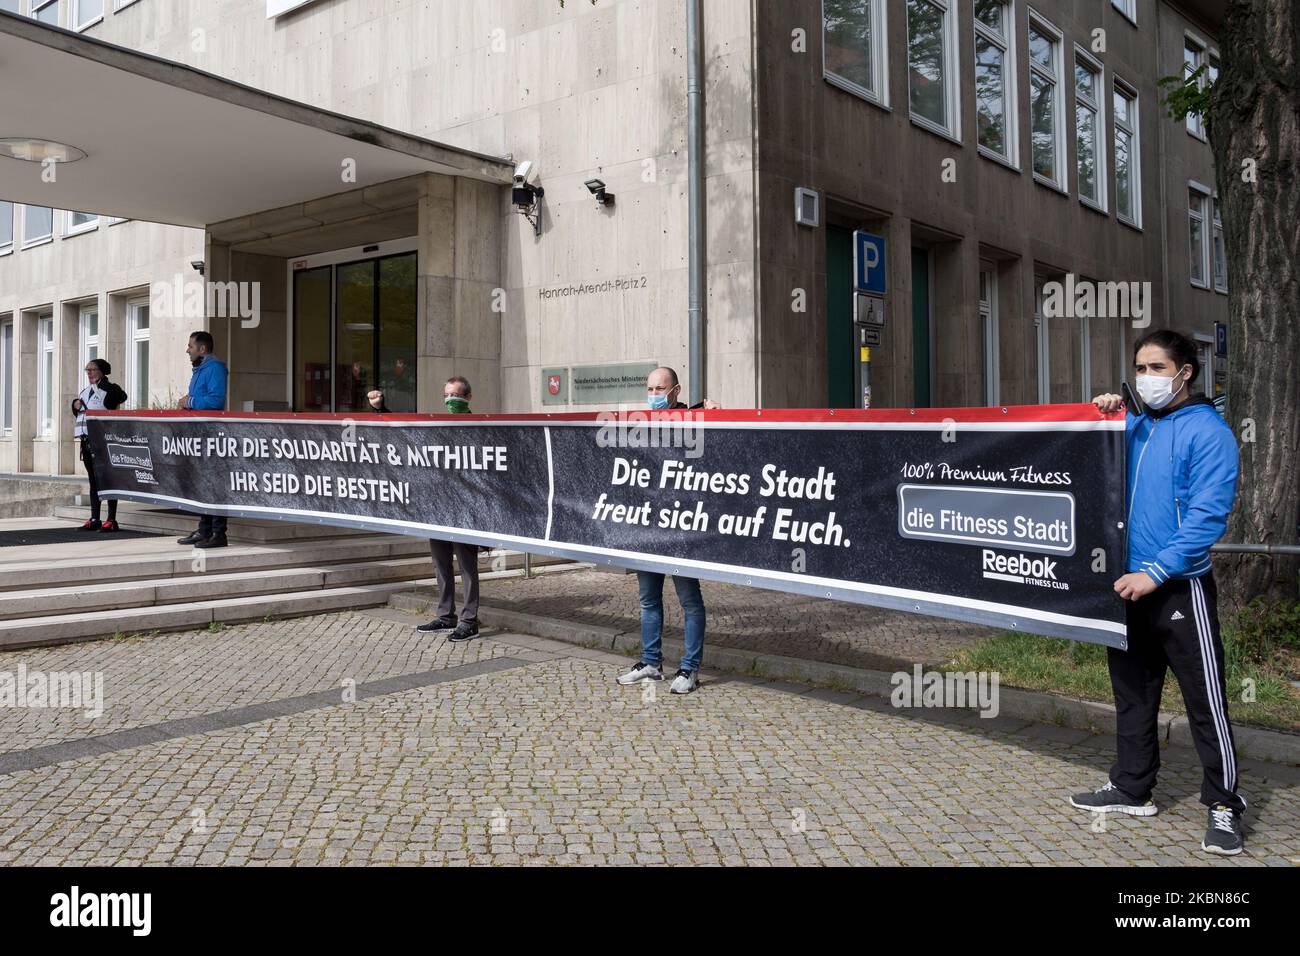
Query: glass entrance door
[355, 330]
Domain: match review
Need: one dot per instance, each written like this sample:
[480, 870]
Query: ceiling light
[39, 150]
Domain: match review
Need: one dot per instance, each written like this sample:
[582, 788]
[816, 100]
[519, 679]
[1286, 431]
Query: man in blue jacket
[207, 392]
[1182, 479]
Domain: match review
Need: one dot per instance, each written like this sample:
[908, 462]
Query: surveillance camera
[523, 172]
[197, 265]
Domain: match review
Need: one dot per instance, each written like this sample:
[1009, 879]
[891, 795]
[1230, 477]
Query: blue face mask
[657, 402]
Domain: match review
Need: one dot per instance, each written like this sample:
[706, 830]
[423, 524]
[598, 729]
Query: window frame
[989, 322]
[70, 229]
[1216, 233]
[134, 336]
[7, 248]
[1038, 22]
[1194, 122]
[879, 58]
[1200, 212]
[1127, 9]
[1133, 129]
[75, 19]
[951, 78]
[45, 375]
[1101, 203]
[1011, 88]
[86, 341]
[35, 6]
[6, 377]
[39, 240]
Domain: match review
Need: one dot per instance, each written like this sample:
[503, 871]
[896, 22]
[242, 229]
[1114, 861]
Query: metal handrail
[1256, 548]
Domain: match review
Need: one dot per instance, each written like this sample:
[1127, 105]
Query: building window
[1090, 130]
[81, 222]
[120, 4]
[1220, 254]
[6, 226]
[1193, 60]
[1046, 102]
[854, 47]
[1128, 162]
[6, 377]
[995, 79]
[45, 375]
[989, 330]
[89, 333]
[1198, 235]
[1128, 8]
[47, 11]
[932, 65]
[137, 372]
[38, 224]
[86, 13]
[9, 6]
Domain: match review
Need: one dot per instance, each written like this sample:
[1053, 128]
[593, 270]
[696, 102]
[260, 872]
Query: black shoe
[1111, 799]
[464, 631]
[1223, 831]
[216, 541]
[445, 623]
[194, 537]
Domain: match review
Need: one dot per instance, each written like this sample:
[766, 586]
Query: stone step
[151, 558]
[88, 625]
[142, 517]
[149, 592]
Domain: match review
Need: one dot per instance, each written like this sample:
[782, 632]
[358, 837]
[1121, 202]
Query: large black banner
[1008, 517]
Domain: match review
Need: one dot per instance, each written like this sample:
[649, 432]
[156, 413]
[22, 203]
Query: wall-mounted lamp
[597, 188]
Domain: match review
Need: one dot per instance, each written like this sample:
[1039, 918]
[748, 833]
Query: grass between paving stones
[1261, 650]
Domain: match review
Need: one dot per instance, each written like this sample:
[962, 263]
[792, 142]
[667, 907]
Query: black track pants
[1176, 626]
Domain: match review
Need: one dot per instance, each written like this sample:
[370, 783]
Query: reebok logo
[1177, 616]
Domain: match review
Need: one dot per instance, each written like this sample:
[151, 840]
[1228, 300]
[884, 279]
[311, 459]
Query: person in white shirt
[98, 394]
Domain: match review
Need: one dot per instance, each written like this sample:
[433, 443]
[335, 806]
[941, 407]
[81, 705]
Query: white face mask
[1158, 391]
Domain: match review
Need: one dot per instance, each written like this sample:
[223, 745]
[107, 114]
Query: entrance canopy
[167, 143]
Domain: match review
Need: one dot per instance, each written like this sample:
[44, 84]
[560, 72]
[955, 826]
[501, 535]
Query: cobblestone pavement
[753, 619]
[512, 749]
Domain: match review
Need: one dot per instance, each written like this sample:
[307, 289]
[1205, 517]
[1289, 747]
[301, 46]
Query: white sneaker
[685, 682]
[639, 672]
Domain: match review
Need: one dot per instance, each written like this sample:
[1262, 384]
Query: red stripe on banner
[1011, 414]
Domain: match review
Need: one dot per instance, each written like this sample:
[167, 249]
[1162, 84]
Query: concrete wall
[584, 91]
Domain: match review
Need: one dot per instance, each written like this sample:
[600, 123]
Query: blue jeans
[651, 586]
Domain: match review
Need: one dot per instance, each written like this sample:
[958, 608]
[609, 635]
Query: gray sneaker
[1223, 831]
[639, 672]
[1111, 799]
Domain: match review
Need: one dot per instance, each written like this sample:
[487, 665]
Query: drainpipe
[695, 196]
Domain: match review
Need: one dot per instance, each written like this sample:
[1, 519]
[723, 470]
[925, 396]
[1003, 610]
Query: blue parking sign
[1220, 340]
[869, 263]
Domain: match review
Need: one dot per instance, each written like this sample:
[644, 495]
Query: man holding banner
[207, 393]
[1182, 479]
[663, 392]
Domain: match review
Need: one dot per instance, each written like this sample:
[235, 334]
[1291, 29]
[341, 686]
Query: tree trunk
[1254, 125]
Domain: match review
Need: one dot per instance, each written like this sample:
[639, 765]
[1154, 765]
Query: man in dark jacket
[456, 396]
[99, 393]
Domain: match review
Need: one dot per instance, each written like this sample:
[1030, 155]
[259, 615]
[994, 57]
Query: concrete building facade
[997, 147]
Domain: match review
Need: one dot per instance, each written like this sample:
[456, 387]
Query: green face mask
[456, 406]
